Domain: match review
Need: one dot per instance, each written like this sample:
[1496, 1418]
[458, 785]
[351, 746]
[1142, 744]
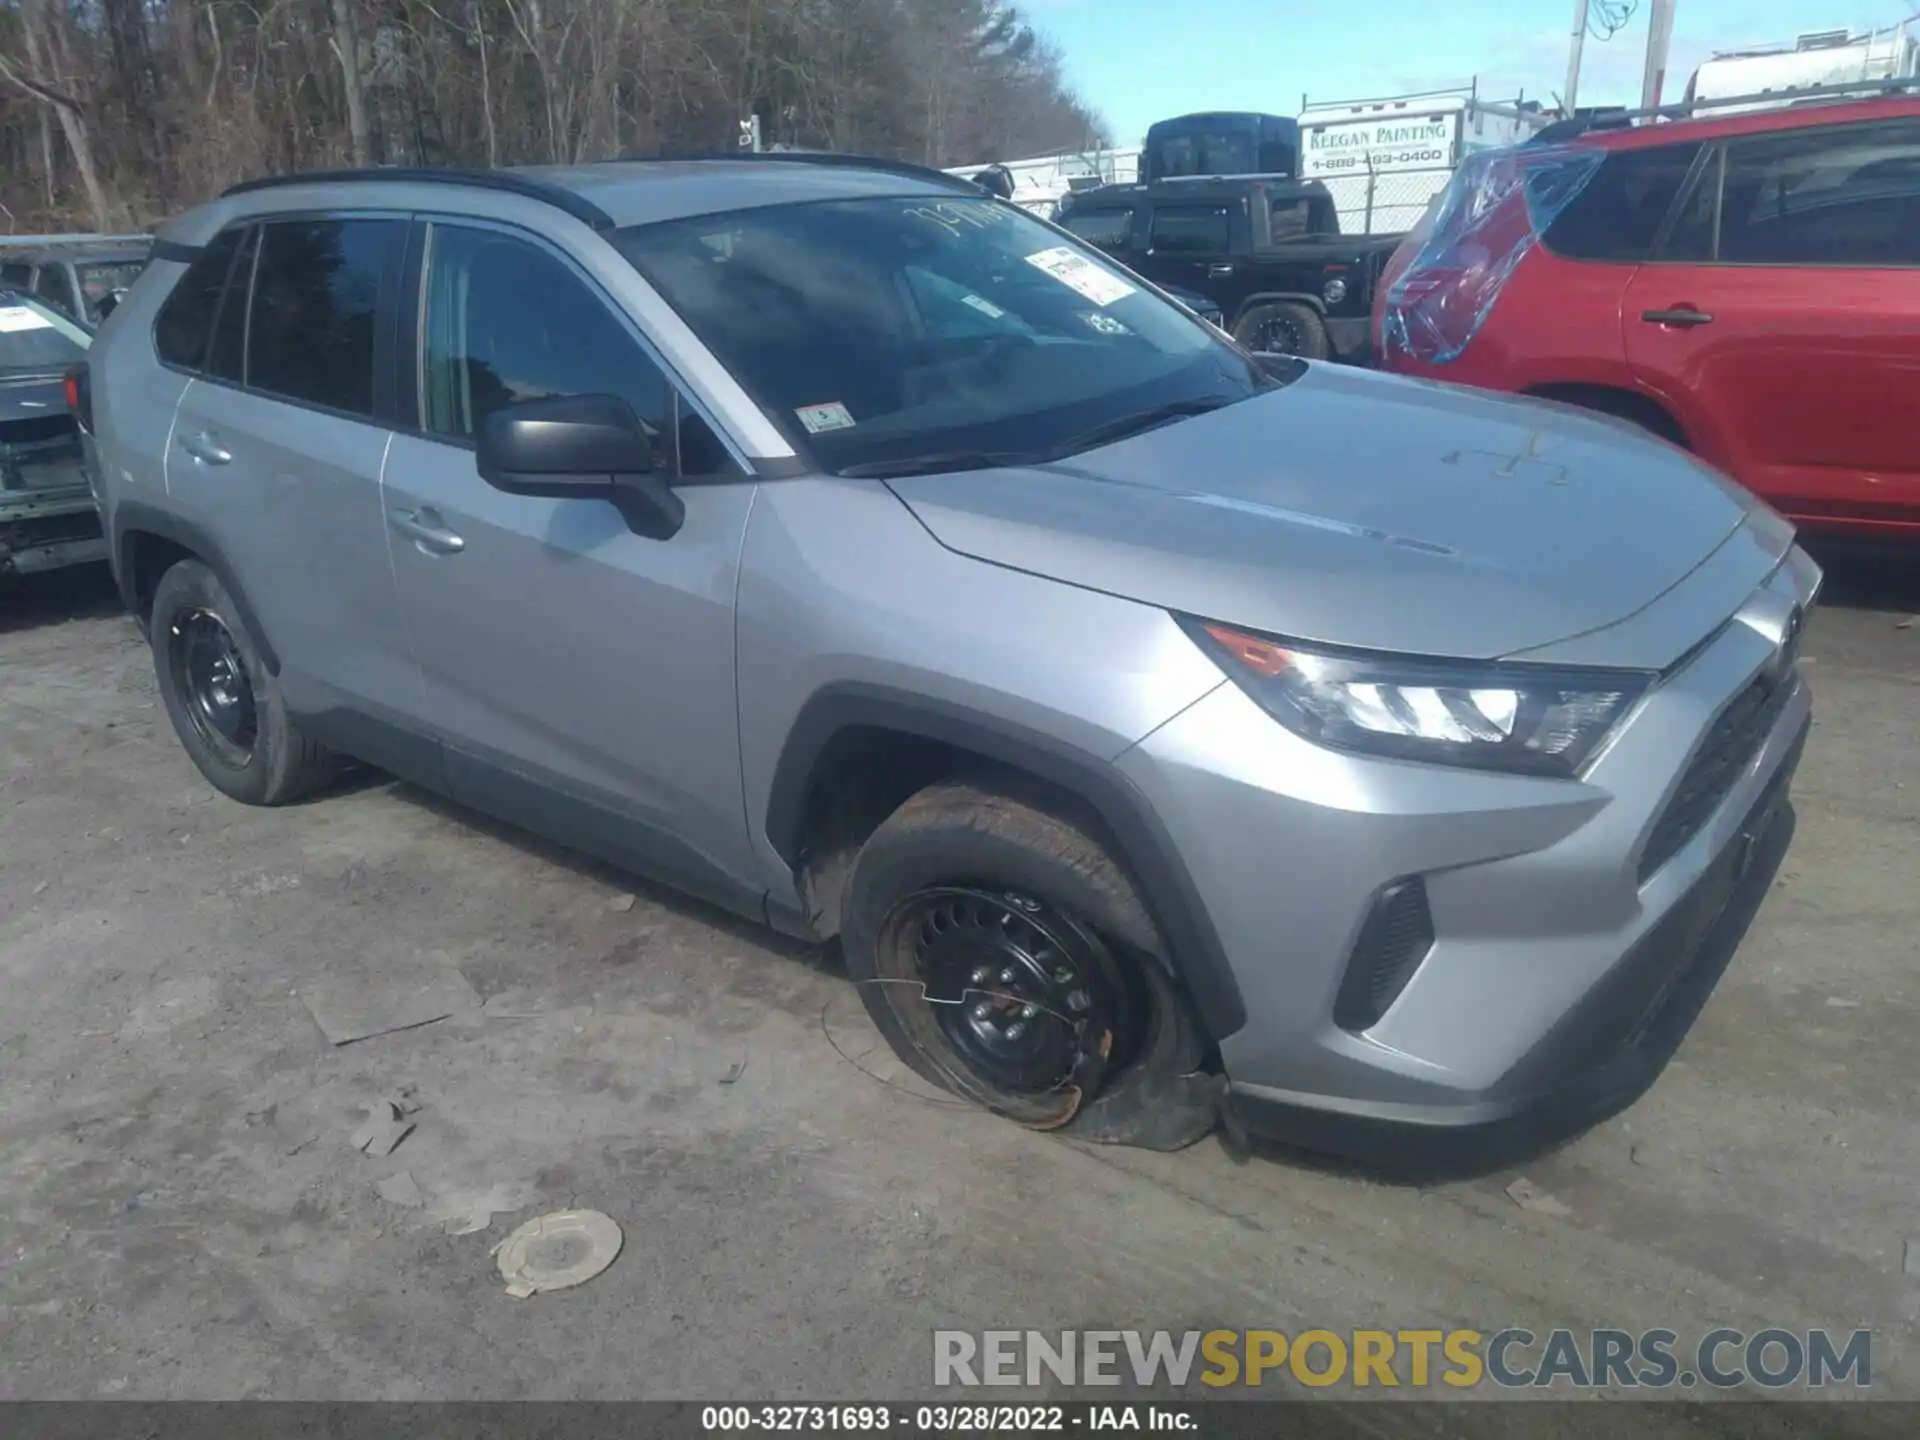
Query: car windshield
[35, 340]
[961, 331]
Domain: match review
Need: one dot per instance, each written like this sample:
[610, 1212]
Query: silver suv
[1163, 730]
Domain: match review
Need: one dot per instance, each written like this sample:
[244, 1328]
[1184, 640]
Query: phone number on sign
[932, 1419]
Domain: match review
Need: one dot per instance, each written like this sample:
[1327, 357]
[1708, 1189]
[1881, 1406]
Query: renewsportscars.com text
[1512, 1358]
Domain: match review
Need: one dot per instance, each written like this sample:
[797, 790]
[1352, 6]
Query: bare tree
[162, 102]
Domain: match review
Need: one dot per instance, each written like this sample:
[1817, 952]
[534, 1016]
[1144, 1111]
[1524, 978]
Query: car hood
[1365, 510]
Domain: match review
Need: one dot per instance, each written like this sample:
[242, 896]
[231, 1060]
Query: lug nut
[1007, 976]
[982, 1011]
[1027, 1012]
[1078, 1000]
[1016, 1030]
[982, 975]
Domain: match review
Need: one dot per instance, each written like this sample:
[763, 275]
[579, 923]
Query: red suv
[1746, 286]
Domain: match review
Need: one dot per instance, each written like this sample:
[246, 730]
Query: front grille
[1736, 737]
[1395, 938]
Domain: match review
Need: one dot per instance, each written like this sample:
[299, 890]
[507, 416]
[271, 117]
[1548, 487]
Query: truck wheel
[225, 707]
[1284, 328]
[1006, 957]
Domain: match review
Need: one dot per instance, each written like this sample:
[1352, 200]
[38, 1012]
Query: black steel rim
[214, 686]
[1014, 1000]
[1280, 335]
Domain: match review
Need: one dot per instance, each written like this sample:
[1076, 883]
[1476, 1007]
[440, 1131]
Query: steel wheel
[1281, 335]
[212, 678]
[1020, 1006]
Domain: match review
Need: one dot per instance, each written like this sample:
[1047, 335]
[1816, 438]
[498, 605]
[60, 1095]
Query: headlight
[1529, 719]
[1334, 291]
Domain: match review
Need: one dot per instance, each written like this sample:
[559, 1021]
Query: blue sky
[1136, 61]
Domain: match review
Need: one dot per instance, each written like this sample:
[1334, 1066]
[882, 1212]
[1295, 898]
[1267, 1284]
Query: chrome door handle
[204, 448]
[425, 529]
[1219, 271]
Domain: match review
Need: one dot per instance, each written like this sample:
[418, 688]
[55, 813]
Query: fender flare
[1276, 297]
[1148, 852]
[134, 518]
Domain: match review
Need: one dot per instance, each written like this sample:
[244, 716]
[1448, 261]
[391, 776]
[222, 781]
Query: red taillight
[79, 392]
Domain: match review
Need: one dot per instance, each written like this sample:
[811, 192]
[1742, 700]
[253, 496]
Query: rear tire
[1284, 328]
[1006, 957]
[225, 706]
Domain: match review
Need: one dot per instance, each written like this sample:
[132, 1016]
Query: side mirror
[579, 447]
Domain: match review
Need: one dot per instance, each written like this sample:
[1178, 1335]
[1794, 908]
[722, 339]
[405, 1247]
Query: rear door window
[316, 299]
[1190, 229]
[1838, 195]
[185, 322]
[226, 359]
[1619, 211]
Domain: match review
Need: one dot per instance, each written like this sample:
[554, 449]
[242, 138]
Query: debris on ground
[516, 1004]
[401, 1188]
[41, 888]
[465, 1213]
[1838, 1004]
[357, 1004]
[1529, 1196]
[386, 1126]
[557, 1251]
[734, 1072]
[1910, 1258]
[621, 903]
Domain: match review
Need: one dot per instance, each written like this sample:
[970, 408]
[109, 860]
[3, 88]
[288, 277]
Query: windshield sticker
[14, 318]
[820, 418]
[1104, 323]
[1075, 271]
[985, 307]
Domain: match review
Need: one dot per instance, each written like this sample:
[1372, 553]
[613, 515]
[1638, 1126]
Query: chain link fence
[1384, 202]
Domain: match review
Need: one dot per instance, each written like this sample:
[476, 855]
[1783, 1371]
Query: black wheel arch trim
[133, 518]
[1146, 848]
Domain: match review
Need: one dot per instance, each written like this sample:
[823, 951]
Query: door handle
[1682, 315]
[425, 529]
[204, 448]
[1219, 271]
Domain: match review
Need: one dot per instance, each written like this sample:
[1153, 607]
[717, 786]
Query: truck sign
[1384, 145]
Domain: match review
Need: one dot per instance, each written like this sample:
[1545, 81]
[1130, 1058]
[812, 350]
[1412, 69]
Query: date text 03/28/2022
[960, 1419]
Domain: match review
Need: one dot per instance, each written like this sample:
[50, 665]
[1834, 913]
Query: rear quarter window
[1618, 213]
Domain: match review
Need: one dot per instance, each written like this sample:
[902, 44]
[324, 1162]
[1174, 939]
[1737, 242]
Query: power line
[1607, 18]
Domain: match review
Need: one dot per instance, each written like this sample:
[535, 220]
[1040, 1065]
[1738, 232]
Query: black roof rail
[822, 157]
[508, 181]
[1563, 130]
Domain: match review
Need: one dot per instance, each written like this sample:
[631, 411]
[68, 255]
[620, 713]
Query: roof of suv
[1631, 131]
[617, 193]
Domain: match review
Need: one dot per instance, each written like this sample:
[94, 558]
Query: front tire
[1006, 957]
[225, 706]
[1284, 328]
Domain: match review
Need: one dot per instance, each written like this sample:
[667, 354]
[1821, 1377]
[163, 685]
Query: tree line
[116, 113]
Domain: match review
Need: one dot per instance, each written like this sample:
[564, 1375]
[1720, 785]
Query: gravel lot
[182, 1213]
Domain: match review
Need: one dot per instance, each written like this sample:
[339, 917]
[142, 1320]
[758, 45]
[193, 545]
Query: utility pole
[1573, 60]
[1659, 41]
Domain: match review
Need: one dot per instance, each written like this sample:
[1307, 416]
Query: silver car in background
[1161, 729]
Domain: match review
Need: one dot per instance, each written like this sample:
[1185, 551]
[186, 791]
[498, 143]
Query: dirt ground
[182, 1213]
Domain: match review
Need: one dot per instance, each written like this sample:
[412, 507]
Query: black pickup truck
[1266, 249]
